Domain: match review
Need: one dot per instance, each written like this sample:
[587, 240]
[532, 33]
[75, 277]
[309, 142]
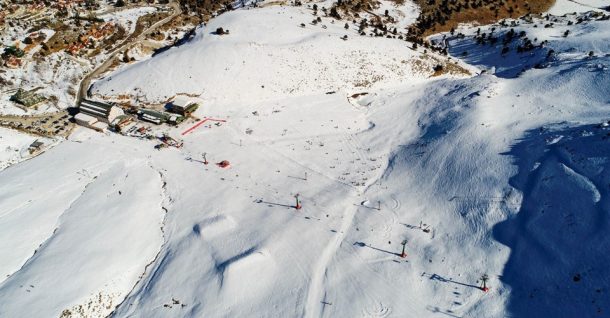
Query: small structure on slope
[183, 106]
[224, 164]
[122, 123]
[35, 146]
[157, 117]
[152, 116]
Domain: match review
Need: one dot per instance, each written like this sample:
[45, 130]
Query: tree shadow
[489, 55]
[411, 226]
[437, 310]
[72, 111]
[187, 37]
[558, 265]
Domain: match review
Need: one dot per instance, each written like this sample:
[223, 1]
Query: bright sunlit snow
[502, 172]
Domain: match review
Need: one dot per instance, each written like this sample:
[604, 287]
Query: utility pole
[205, 161]
[298, 205]
[404, 244]
[378, 205]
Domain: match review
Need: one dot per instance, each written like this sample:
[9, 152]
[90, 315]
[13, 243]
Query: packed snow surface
[498, 175]
[15, 146]
[260, 59]
[572, 6]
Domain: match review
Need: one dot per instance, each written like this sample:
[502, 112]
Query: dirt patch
[146, 21]
[429, 64]
[441, 16]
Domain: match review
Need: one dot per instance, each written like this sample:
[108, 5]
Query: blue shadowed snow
[564, 176]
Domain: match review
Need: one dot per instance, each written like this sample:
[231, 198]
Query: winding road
[129, 42]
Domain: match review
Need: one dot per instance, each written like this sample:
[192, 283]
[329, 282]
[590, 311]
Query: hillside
[497, 166]
[271, 60]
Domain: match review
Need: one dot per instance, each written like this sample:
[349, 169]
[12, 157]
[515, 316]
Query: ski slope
[481, 174]
[15, 146]
[562, 7]
[258, 61]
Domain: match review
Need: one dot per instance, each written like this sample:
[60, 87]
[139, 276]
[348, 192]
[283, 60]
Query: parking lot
[48, 125]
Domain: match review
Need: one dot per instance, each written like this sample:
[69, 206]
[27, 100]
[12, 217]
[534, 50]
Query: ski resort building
[122, 123]
[158, 118]
[183, 106]
[27, 98]
[35, 146]
[152, 116]
[90, 122]
[105, 112]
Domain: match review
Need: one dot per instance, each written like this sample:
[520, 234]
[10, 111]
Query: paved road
[132, 40]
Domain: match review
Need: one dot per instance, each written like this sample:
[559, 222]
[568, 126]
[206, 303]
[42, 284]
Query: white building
[90, 122]
[104, 112]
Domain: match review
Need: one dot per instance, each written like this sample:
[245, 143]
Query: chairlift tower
[484, 280]
[298, 203]
[404, 244]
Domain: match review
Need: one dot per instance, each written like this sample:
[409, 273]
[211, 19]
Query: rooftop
[84, 117]
[182, 101]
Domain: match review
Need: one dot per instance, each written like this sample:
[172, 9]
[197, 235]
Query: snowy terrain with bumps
[501, 170]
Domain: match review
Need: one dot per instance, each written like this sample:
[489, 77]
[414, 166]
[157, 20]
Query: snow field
[15, 146]
[265, 61]
[461, 168]
[97, 229]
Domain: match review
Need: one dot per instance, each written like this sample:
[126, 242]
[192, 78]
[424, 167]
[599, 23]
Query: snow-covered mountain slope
[507, 49]
[560, 237]
[485, 174]
[562, 7]
[266, 55]
[14, 146]
[82, 225]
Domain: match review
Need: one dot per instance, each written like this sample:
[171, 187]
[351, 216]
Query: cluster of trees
[351, 7]
[508, 38]
[205, 8]
[12, 50]
[438, 14]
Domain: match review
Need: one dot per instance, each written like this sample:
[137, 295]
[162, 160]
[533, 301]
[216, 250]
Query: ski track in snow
[314, 306]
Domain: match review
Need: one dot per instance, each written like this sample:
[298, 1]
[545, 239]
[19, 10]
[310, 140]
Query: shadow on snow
[560, 238]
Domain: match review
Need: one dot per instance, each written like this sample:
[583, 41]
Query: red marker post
[298, 205]
[484, 279]
[404, 244]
